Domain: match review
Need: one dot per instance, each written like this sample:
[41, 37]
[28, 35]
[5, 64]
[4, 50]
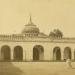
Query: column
[12, 54]
[62, 54]
[72, 54]
[48, 53]
[24, 55]
[29, 55]
[0, 54]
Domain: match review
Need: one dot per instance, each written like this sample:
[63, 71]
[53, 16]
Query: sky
[46, 14]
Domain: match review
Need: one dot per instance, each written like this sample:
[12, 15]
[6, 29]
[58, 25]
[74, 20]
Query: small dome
[30, 28]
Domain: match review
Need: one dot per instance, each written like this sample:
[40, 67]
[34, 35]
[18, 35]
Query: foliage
[56, 33]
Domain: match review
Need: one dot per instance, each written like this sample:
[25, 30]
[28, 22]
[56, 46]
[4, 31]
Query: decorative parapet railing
[23, 38]
[11, 37]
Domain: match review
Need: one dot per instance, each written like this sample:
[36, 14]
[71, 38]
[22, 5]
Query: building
[32, 45]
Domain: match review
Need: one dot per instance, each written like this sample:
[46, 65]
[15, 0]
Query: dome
[30, 28]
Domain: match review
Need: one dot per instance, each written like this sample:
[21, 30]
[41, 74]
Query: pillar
[29, 55]
[72, 54]
[24, 55]
[62, 54]
[12, 54]
[0, 54]
[48, 53]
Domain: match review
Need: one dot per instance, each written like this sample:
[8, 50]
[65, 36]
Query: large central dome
[30, 29]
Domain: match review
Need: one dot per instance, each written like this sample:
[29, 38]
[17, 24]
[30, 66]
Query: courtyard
[36, 68]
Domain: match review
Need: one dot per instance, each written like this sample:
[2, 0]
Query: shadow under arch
[18, 53]
[56, 53]
[38, 52]
[67, 53]
[5, 53]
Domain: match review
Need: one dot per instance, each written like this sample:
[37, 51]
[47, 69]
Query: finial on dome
[30, 20]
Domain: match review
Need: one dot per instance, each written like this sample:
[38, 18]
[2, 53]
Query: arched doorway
[56, 53]
[5, 53]
[38, 52]
[18, 53]
[67, 53]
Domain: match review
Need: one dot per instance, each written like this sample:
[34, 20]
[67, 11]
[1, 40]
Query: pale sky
[46, 14]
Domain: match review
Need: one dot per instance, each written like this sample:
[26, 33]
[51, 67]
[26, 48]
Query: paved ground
[36, 68]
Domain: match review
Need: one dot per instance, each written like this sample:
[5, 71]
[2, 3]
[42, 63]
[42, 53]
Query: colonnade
[17, 53]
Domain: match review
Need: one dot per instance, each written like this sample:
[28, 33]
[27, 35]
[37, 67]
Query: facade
[32, 45]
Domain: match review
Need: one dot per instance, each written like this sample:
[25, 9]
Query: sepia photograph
[37, 37]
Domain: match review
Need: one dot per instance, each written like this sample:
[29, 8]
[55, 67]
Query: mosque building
[32, 45]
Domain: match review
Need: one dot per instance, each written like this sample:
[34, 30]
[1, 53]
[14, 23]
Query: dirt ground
[36, 68]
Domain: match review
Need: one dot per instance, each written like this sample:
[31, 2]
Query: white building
[32, 45]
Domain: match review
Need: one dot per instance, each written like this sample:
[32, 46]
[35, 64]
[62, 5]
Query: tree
[56, 33]
[52, 35]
